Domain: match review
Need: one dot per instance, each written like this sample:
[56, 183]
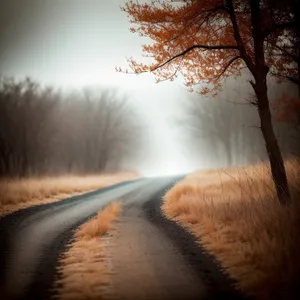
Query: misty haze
[149, 149]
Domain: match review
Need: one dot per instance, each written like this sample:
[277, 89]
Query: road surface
[155, 255]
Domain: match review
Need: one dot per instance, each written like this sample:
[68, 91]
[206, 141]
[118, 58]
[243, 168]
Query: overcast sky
[74, 43]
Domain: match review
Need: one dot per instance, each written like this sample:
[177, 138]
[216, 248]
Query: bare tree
[43, 132]
[226, 131]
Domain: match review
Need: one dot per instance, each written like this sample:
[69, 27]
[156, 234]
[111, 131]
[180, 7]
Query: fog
[74, 44]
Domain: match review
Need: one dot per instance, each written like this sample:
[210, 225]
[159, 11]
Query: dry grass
[236, 216]
[84, 271]
[22, 193]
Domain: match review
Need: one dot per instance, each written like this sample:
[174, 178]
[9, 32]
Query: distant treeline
[225, 131]
[43, 131]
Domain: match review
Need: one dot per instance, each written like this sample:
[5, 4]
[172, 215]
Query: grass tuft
[101, 223]
[84, 271]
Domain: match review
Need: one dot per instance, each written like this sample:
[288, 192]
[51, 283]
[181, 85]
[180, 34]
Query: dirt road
[142, 255]
[152, 257]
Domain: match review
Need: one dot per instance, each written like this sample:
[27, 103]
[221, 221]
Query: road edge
[220, 286]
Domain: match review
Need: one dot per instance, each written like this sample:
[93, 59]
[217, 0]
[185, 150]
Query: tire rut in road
[37, 228]
[146, 264]
[217, 284]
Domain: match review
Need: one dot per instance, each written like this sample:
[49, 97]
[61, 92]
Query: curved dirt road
[155, 258]
[32, 239]
[143, 256]
[152, 257]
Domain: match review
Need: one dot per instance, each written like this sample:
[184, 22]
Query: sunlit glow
[77, 45]
[164, 170]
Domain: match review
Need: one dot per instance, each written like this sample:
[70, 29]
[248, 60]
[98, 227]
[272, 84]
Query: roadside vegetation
[54, 145]
[235, 215]
[17, 194]
[84, 270]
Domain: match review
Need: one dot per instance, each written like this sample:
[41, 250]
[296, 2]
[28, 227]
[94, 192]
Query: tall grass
[16, 194]
[235, 214]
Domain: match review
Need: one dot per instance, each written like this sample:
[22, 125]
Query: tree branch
[293, 57]
[208, 15]
[174, 73]
[286, 77]
[228, 65]
[212, 12]
[238, 37]
[279, 27]
[294, 80]
[204, 47]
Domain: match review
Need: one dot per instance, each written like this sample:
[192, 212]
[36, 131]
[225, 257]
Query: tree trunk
[297, 19]
[260, 71]
[271, 143]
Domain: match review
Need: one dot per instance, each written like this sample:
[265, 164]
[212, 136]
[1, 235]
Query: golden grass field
[234, 213]
[17, 194]
[84, 272]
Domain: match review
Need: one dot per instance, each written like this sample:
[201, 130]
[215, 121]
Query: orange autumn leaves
[176, 27]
